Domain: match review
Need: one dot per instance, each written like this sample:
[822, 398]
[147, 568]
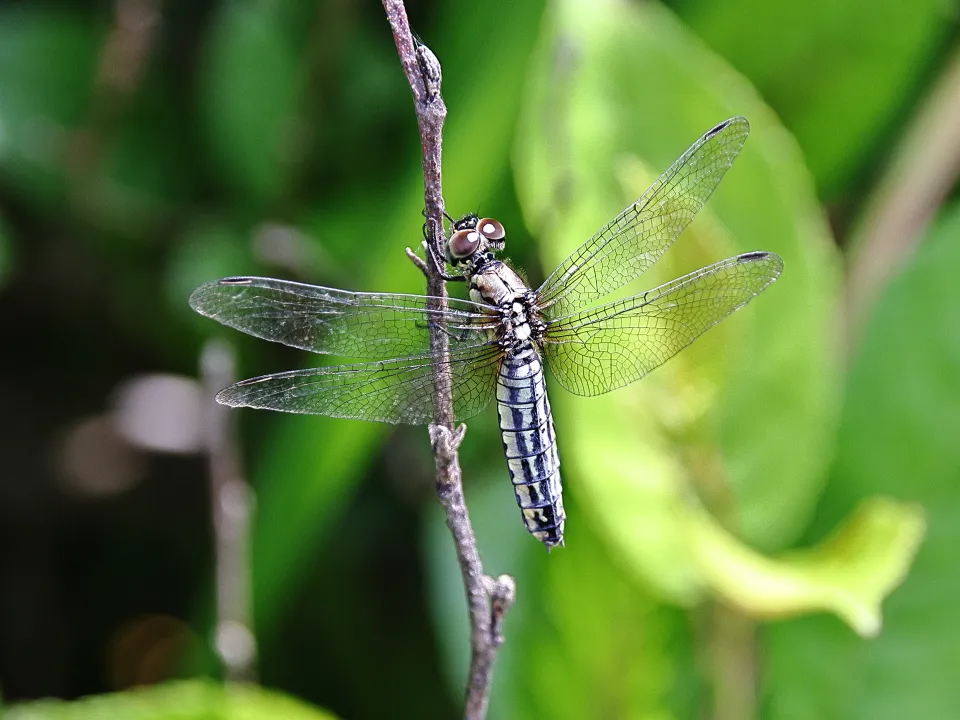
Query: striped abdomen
[530, 444]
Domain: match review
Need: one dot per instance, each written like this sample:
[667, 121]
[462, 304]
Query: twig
[416, 260]
[232, 502]
[488, 600]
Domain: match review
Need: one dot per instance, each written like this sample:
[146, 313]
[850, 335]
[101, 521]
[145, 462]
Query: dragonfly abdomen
[530, 444]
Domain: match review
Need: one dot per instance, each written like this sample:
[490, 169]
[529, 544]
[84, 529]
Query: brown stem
[730, 653]
[488, 600]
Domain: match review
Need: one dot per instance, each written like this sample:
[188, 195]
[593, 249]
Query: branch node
[430, 71]
[445, 441]
[503, 593]
[415, 259]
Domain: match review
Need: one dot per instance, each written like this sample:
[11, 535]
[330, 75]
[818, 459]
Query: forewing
[599, 350]
[337, 322]
[634, 240]
[392, 391]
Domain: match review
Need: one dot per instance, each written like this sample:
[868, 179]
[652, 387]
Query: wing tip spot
[736, 120]
[774, 260]
[717, 128]
[235, 281]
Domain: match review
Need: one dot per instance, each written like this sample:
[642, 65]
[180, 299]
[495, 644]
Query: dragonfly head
[473, 237]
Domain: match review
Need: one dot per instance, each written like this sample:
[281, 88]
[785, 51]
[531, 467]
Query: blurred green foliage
[896, 437]
[840, 74]
[184, 700]
[251, 80]
[757, 476]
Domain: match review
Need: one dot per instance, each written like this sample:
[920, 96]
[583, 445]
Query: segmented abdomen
[530, 444]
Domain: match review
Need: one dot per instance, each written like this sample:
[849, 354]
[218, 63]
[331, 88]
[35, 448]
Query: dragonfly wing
[601, 349]
[392, 391]
[337, 322]
[634, 240]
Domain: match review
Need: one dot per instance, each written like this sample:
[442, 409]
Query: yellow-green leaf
[898, 437]
[745, 417]
[848, 574]
[185, 700]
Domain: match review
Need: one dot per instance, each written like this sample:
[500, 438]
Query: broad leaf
[838, 74]
[186, 700]
[746, 414]
[898, 437]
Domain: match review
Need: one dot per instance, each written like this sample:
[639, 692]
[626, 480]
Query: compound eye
[464, 243]
[491, 229]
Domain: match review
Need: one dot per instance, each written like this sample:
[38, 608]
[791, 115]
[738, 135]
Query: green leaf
[146, 172]
[48, 59]
[838, 74]
[185, 700]
[504, 546]
[56, 136]
[597, 644]
[746, 415]
[211, 248]
[249, 88]
[897, 437]
[582, 640]
[849, 574]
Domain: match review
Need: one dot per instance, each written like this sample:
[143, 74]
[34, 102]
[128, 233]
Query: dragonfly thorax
[494, 283]
[521, 322]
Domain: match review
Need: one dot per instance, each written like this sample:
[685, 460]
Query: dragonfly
[501, 339]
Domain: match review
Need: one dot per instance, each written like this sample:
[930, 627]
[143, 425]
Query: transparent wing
[392, 391]
[337, 322]
[599, 350]
[634, 240]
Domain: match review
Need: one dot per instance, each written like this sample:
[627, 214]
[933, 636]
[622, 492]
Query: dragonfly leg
[415, 259]
[459, 334]
[438, 264]
[426, 223]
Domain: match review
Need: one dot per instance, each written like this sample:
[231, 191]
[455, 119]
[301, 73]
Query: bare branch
[488, 600]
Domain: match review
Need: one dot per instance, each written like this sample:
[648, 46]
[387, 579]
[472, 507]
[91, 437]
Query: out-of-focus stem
[232, 503]
[730, 654]
[923, 171]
